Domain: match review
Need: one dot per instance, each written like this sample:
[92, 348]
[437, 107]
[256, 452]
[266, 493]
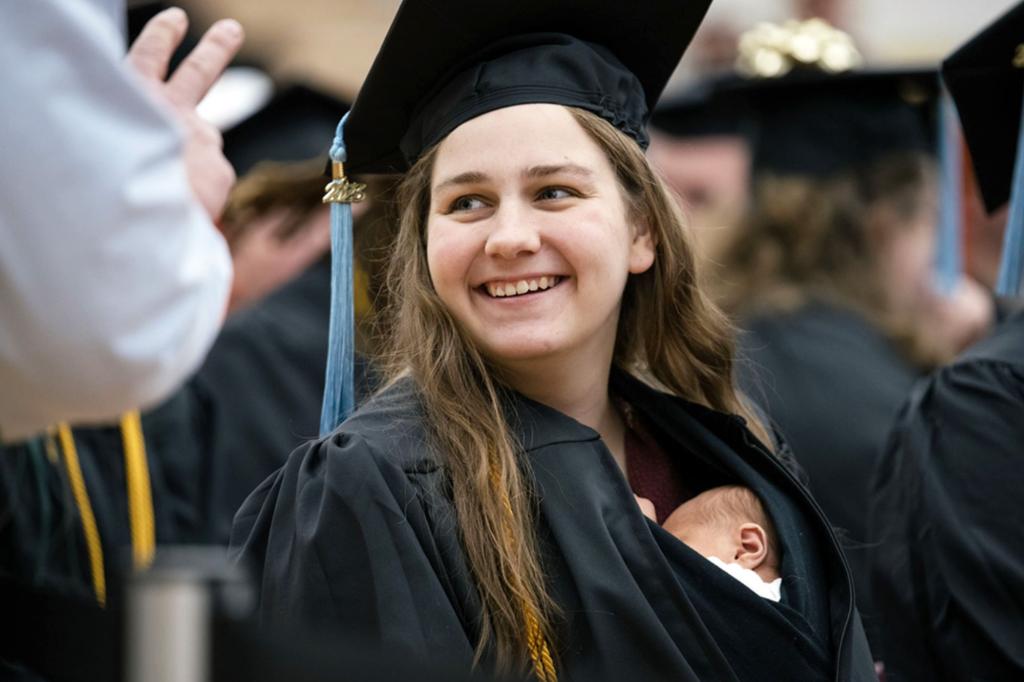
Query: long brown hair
[669, 334]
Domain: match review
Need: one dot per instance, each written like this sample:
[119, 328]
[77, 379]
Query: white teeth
[504, 289]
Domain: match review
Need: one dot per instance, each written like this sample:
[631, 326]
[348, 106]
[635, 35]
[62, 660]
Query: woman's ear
[641, 250]
[752, 549]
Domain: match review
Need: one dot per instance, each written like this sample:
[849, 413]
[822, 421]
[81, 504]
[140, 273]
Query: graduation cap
[704, 109]
[296, 124]
[820, 124]
[444, 63]
[986, 79]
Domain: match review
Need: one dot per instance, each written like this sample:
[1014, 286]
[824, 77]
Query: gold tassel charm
[341, 190]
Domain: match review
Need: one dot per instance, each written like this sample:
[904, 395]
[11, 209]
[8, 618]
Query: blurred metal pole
[169, 610]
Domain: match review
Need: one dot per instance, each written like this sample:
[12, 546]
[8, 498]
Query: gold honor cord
[140, 496]
[540, 652]
[140, 499]
[93, 545]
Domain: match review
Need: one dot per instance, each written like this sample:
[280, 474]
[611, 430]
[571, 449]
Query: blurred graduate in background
[947, 543]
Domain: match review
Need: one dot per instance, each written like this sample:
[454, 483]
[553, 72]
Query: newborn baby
[730, 527]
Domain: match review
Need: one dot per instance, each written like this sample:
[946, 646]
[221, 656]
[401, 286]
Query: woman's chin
[518, 350]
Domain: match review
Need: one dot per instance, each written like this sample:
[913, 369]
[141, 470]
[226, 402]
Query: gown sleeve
[341, 537]
[946, 569]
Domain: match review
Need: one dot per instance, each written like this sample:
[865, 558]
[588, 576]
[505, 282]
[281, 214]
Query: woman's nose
[513, 234]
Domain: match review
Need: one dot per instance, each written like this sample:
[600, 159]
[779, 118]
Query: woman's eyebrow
[531, 173]
[467, 178]
[534, 172]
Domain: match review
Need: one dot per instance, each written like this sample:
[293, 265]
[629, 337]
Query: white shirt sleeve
[113, 280]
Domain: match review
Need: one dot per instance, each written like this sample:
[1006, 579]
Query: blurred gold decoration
[772, 50]
[1018, 57]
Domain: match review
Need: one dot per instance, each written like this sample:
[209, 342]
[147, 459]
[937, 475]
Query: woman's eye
[468, 203]
[552, 193]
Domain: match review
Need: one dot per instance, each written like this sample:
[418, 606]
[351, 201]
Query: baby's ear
[752, 549]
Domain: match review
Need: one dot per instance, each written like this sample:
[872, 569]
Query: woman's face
[528, 240]
[907, 256]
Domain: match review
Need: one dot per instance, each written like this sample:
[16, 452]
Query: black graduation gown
[948, 568]
[832, 384]
[42, 542]
[258, 393]
[356, 533]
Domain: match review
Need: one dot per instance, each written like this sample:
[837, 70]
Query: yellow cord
[140, 496]
[540, 652]
[93, 545]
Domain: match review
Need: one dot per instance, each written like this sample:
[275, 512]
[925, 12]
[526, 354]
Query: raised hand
[209, 173]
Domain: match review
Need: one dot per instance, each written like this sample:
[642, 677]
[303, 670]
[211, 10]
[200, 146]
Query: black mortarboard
[703, 109]
[295, 125]
[986, 79]
[812, 123]
[443, 63]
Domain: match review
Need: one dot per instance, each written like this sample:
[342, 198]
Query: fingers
[160, 37]
[204, 65]
[647, 507]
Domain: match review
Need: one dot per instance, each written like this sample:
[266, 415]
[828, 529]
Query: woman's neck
[581, 394]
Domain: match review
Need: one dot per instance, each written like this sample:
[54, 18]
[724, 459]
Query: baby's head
[729, 523]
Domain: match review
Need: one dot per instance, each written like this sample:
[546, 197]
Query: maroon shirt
[652, 473]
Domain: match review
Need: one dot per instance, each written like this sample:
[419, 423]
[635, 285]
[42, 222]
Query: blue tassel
[947, 252]
[339, 398]
[1011, 268]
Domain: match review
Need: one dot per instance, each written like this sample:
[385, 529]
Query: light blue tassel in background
[947, 248]
[1010, 269]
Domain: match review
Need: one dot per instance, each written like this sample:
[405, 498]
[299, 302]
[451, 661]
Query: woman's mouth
[520, 287]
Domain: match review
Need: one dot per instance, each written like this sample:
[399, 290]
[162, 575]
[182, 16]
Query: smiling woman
[549, 355]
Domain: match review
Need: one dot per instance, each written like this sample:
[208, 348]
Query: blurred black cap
[819, 124]
[298, 123]
[986, 79]
[707, 108]
[442, 64]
